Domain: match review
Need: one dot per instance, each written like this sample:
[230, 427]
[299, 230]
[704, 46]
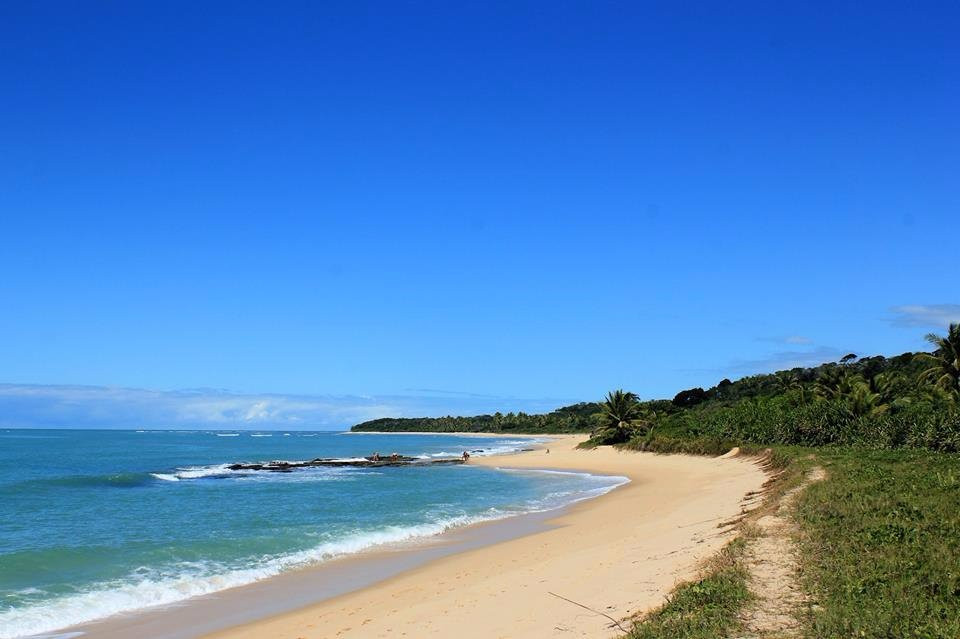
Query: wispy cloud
[784, 360]
[934, 315]
[53, 406]
[793, 340]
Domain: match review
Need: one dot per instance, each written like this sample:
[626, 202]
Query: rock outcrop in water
[366, 462]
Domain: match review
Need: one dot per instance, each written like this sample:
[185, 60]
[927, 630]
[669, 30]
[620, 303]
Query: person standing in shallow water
[465, 456]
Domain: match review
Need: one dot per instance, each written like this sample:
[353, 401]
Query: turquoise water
[100, 522]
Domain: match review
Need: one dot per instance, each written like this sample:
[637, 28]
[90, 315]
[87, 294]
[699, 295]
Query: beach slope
[618, 554]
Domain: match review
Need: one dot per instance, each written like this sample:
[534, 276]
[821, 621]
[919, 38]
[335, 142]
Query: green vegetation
[881, 544]
[908, 401]
[703, 609]
[578, 418]
[944, 372]
[880, 538]
[621, 416]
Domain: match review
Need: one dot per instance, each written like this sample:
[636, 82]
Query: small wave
[143, 589]
[228, 434]
[261, 435]
[199, 472]
[137, 592]
[223, 471]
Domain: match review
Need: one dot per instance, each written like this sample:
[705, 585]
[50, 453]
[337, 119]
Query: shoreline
[306, 585]
[620, 552]
[483, 571]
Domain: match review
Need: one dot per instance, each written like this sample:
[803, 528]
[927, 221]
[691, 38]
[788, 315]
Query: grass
[881, 545]
[880, 549]
[704, 609]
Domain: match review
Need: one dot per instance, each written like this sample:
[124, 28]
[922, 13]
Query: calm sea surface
[93, 523]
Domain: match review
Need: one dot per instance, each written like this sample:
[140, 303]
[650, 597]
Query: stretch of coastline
[620, 553]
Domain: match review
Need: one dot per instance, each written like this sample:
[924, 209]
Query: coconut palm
[892, 388]
[944, 371]
[834, 383]
[862, 401]
[789, 383]
[620, 415]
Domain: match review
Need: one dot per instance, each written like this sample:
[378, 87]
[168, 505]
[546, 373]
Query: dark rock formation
[367, 462]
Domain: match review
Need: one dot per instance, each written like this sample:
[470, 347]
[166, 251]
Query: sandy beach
[620, 554]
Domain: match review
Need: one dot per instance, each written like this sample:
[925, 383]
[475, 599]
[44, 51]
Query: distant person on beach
[394, 457]
[465, 456]
[548, 451]
[376, 457]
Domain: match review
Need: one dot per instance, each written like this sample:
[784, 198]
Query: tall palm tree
[618, 417]
[944, 371]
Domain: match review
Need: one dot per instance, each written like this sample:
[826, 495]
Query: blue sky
[466, 205]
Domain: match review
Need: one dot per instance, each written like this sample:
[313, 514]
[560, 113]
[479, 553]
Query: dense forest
[910, 400]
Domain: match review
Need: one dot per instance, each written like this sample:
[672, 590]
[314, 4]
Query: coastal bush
[780, 421]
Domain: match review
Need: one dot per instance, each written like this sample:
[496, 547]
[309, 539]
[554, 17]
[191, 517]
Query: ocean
[96, 523]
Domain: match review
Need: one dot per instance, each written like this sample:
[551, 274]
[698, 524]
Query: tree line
[912, 400]
[908, 400]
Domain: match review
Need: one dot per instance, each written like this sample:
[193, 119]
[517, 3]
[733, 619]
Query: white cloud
[934, 315]
[53, 406]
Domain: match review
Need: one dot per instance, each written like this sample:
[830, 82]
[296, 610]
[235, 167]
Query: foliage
[780, 420]
[944, 372]
[690, 397]
[911, 400]
[569, 419]
[620, 418]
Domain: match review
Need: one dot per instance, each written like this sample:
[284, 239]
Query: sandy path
[620, 553]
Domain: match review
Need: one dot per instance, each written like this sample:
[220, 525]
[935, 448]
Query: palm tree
[835, 382]
[891, 388]
[789, 383]
[783, 382]
[619, 415]
[862, 400]
[944, 371]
